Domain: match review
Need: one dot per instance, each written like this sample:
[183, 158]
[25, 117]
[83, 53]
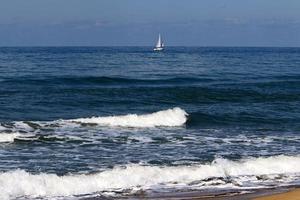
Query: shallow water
[113, 121]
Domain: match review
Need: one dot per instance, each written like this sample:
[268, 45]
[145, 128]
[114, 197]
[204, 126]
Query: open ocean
[80, 122]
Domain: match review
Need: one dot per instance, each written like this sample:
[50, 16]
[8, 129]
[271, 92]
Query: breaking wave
[247, 173]
[165, 118]
[170, 117]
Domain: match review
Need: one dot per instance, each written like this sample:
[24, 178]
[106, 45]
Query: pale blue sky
[137, 22]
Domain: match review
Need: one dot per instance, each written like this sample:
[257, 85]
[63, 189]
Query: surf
[9, 137]
[221, 173]
[168, 118]
[174, 117]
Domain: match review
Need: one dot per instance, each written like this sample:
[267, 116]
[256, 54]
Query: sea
[127, 122]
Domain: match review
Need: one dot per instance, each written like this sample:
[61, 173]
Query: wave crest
[170, 117]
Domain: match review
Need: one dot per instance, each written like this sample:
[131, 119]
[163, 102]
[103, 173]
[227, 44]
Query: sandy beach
[289, 195]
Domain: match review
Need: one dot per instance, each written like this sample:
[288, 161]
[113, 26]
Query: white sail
[159, 45]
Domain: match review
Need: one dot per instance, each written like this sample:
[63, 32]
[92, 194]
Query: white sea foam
[2, 128]
[8, 137]
[18, 183]
[22, 126]
[170, 117]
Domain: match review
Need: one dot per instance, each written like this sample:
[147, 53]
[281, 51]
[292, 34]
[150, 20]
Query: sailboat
[159, 45]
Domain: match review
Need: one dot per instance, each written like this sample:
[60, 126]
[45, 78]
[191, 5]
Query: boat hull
[158, 49]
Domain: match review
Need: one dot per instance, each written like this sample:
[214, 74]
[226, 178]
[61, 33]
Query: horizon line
[140, 46]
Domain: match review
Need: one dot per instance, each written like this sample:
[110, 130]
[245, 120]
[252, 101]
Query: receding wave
[247, 173]
[170, 117]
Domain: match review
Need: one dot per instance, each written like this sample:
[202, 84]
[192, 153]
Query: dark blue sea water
[203, 119]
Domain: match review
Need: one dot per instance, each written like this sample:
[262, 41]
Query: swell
[270, 102]
[180, 89]
[221, 173]
[102, 80]
[174, 90]
[227, 94]
[275, 81]
[242, 118]
[175, 117]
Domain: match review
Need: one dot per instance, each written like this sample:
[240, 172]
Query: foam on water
[12, 137]
[241, 173]
[170, 117]
[2, 128]
[22, 126]
[8, 137]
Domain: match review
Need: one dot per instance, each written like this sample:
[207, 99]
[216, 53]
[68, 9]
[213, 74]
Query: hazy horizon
[206, 23]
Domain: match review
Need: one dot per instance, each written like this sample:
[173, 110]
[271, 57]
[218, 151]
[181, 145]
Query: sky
[138, 22]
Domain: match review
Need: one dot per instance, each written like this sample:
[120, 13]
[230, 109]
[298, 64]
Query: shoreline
[280, 193]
